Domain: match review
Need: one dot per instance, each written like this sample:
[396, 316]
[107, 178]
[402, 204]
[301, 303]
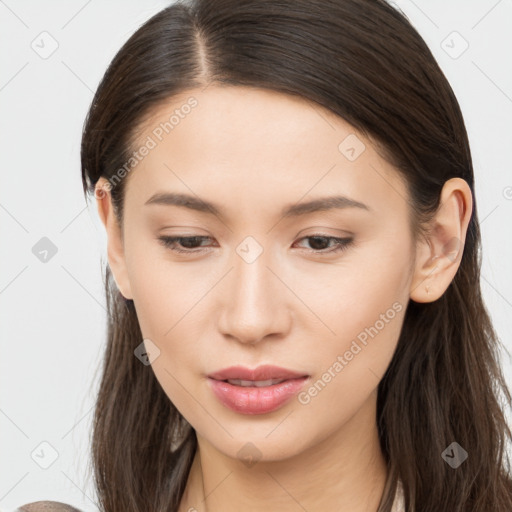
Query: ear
[438, 256]
[115, 246]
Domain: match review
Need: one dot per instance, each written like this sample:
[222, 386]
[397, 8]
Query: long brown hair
[363, 60]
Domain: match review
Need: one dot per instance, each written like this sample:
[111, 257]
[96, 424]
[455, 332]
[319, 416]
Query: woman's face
[260, 287]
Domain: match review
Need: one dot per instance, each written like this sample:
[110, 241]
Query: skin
[252, 152]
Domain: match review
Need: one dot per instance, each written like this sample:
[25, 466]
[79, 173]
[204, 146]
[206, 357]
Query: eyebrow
[294, 210]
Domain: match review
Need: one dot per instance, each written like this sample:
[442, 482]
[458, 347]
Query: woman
[295, 316]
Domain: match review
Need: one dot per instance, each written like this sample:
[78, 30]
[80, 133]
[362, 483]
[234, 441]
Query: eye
[340, 244]
[190, 243]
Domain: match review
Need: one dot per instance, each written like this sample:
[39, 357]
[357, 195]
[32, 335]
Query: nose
[255, 302]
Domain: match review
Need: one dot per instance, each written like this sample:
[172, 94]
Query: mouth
[260, 374]
[254, 383]
[262, 390]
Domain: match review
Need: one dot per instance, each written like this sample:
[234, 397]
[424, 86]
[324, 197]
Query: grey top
[47, 506]
[399, 503]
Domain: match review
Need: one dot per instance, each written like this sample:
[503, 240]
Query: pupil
[314, 242]
[186, 242]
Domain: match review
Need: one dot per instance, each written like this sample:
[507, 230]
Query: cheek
[366, 315]
[157, 285]
[167, 301]
[350, 296]
[170, 300]
[351, 365]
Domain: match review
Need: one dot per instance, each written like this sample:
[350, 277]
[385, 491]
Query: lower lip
[253, 400]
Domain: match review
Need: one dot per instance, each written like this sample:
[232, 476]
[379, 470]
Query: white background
[53, 314]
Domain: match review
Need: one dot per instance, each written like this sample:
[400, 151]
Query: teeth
[254, 383]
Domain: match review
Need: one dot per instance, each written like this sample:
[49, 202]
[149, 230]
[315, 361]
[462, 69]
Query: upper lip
[265, 372]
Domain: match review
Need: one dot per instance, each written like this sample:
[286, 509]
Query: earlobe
[438, 256]
[115, 246]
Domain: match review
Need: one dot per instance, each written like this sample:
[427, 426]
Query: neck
[346, 471]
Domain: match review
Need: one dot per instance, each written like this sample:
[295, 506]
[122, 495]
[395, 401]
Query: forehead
[247, 149]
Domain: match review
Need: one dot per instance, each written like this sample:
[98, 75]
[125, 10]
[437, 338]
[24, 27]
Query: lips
[262, 390]
[261, 373]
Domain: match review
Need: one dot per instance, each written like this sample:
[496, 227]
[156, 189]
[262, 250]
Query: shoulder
[47, 506]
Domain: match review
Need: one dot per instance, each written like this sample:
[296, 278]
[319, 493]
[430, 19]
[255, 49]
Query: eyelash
[170, 242]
